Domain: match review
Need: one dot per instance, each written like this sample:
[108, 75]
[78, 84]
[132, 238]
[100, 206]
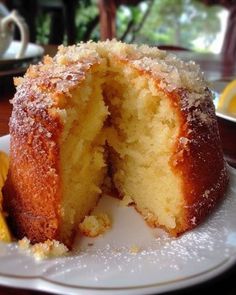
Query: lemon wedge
[4, 165]
[227, 101]
[5, 235]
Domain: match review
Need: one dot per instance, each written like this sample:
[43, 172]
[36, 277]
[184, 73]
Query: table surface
[215, 68]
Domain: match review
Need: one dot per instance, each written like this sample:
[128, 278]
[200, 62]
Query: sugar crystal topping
[175, 72]
[63, 72]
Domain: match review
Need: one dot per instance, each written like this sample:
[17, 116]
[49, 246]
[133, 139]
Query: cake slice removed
[137, 114]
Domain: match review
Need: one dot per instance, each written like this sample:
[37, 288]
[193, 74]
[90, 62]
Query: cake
[95, 225]
[136, 114]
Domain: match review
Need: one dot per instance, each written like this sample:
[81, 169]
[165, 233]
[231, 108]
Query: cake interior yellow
[137, 114]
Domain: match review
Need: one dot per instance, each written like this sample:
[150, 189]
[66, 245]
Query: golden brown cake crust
[33, 190]
[197, 156]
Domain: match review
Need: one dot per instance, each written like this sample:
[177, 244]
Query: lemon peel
[227, 101]
[5, 235]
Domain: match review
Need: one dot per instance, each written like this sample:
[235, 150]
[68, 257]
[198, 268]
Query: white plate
[108, 266]
[9, 65]
[32, 51]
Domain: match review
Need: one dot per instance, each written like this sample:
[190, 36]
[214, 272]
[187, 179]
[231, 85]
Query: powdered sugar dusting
[107, 261]
[46, 86]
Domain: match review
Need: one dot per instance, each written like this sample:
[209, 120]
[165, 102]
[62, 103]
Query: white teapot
[7, 21]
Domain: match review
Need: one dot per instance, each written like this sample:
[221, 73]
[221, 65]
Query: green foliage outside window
[42, 28]
[176, 22]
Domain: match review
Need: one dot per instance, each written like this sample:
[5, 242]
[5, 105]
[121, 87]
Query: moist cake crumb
[40, 251]
[95, 225]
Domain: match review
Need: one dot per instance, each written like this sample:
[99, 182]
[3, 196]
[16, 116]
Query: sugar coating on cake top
[165, 66]
[56, 77]
[173, 72]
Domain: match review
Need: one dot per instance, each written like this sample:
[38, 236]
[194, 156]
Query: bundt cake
[135, 113]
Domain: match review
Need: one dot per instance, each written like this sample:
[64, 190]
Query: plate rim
[47, 285]
[225, 116]
[17, 66]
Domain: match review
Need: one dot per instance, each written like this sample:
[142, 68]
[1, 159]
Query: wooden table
[214, 67]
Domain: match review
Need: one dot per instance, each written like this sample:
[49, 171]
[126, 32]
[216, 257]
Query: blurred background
[199, 30]
[207, 26]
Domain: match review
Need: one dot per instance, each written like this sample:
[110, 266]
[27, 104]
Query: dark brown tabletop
[215, 67]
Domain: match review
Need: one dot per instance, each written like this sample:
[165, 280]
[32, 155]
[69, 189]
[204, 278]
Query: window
[185, 23]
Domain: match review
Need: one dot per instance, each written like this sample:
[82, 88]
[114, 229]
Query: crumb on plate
[126, 201]
[95, 225]
[40, 251]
